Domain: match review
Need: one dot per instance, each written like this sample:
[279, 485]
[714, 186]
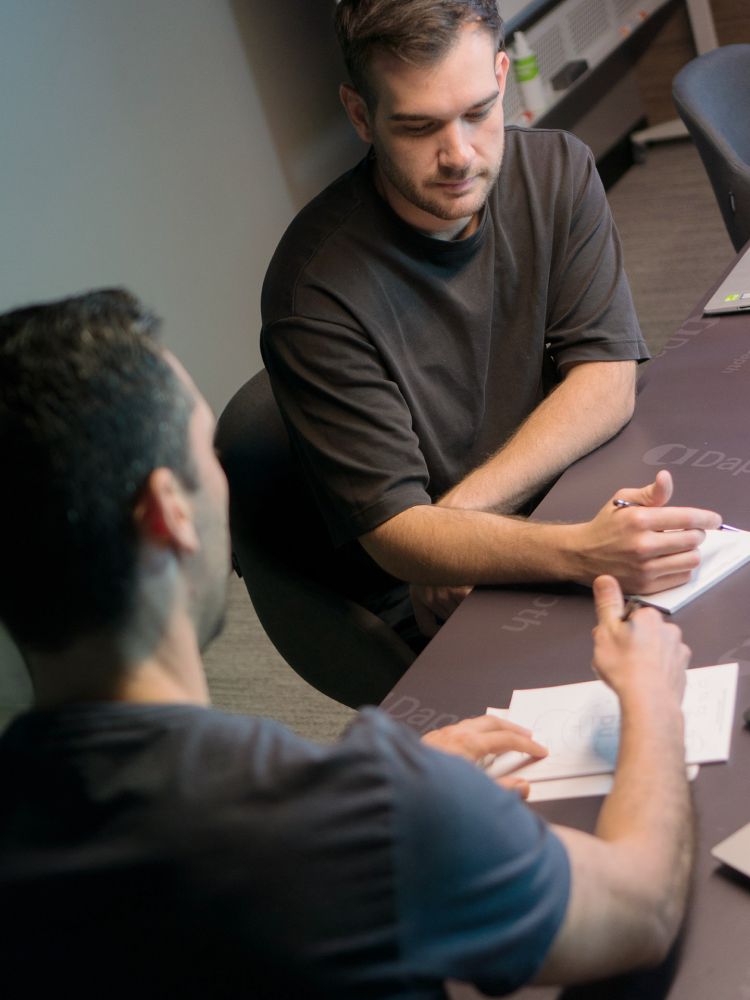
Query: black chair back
[301, 587]
[712, 96]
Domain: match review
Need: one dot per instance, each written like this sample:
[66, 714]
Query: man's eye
[478, 116]
[417, 129]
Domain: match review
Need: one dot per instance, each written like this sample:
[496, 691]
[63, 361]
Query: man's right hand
[644, 655]
[629, 881]
[648, 547]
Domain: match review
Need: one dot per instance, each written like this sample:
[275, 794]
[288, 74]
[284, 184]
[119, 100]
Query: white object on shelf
[526, 71]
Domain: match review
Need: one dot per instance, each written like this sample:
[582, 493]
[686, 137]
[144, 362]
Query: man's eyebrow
[399, 117]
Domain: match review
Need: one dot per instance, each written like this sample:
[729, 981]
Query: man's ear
[163, 515]
[357, 111]
[502, 65]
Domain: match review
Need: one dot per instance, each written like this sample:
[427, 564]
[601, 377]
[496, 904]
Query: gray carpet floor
[675, 244]
[673, 236]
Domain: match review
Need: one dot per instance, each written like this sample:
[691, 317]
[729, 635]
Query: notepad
[580, 724]
[722, 552]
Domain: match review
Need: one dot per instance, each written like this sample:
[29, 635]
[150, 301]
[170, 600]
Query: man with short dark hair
[447, 327]
[152, 846]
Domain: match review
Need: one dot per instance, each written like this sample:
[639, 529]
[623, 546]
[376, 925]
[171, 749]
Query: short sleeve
[349, 424]
[482, 882]
[591, 315]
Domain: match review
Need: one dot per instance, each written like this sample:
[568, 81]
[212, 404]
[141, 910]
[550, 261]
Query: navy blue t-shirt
[176, 850]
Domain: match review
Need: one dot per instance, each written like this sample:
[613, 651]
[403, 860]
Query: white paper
[722, 552]
[580, 724]
[497, 766]
[579, 788]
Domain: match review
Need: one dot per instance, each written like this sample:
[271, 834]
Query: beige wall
[164, 145]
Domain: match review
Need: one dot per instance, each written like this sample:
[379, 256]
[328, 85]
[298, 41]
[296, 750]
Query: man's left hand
[432, 605]
[487, 736]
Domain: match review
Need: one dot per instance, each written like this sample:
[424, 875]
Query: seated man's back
[150, 845]
[175, 848]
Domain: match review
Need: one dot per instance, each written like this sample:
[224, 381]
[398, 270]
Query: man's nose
[455, 151]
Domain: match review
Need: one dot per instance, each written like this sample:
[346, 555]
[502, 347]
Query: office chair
[712, 96]
[301, 587]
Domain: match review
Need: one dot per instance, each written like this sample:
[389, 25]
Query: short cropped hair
[417, 31]
[89, 408]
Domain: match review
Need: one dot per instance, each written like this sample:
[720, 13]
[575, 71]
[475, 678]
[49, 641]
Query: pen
[632, 503]
[632, 604]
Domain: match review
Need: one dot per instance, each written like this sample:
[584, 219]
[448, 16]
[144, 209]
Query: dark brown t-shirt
[400, 362]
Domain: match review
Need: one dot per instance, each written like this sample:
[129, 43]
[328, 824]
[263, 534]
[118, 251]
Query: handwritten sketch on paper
[580, 723]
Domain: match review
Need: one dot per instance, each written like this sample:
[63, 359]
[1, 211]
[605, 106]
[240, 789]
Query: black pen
[632, 503]
[632, 604]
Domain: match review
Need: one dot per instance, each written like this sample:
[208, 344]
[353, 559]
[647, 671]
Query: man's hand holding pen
[647, 655]
[646, 545]
[619, 502]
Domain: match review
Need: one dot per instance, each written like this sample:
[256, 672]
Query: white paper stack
[722, 552]
[580, 726]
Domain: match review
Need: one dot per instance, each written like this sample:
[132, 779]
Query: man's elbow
[620, 405]
[666, 917]
[384, 554]
[656, 921]
[391, 546]
[627, 404]
[657, 940]
[622, 391]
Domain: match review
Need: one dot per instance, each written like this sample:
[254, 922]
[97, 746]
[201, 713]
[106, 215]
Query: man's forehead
[180, 371]
[200, 405]
[404, 88]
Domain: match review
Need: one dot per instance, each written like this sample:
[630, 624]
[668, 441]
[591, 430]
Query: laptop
[733, 294]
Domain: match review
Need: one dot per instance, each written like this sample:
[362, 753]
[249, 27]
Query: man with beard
[152, 846]
[447, 327]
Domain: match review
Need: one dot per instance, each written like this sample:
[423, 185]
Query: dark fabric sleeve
[591, 316]
[482, 882]
[348, 421]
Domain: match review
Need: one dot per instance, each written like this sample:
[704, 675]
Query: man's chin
[450, 206]
[453, 209]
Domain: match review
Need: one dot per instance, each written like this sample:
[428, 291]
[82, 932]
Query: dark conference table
[693, 418]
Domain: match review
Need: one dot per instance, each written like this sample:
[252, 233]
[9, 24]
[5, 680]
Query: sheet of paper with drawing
[722, 552]
[581, 787]
[580, 724]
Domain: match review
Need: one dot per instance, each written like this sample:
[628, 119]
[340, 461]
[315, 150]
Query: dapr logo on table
[683, 454]
[410, 710]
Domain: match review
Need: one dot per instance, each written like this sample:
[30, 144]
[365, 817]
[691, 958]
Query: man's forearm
[647, 547]
[590, 405]
[630, 881]
[440, 546]
[648, 813]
